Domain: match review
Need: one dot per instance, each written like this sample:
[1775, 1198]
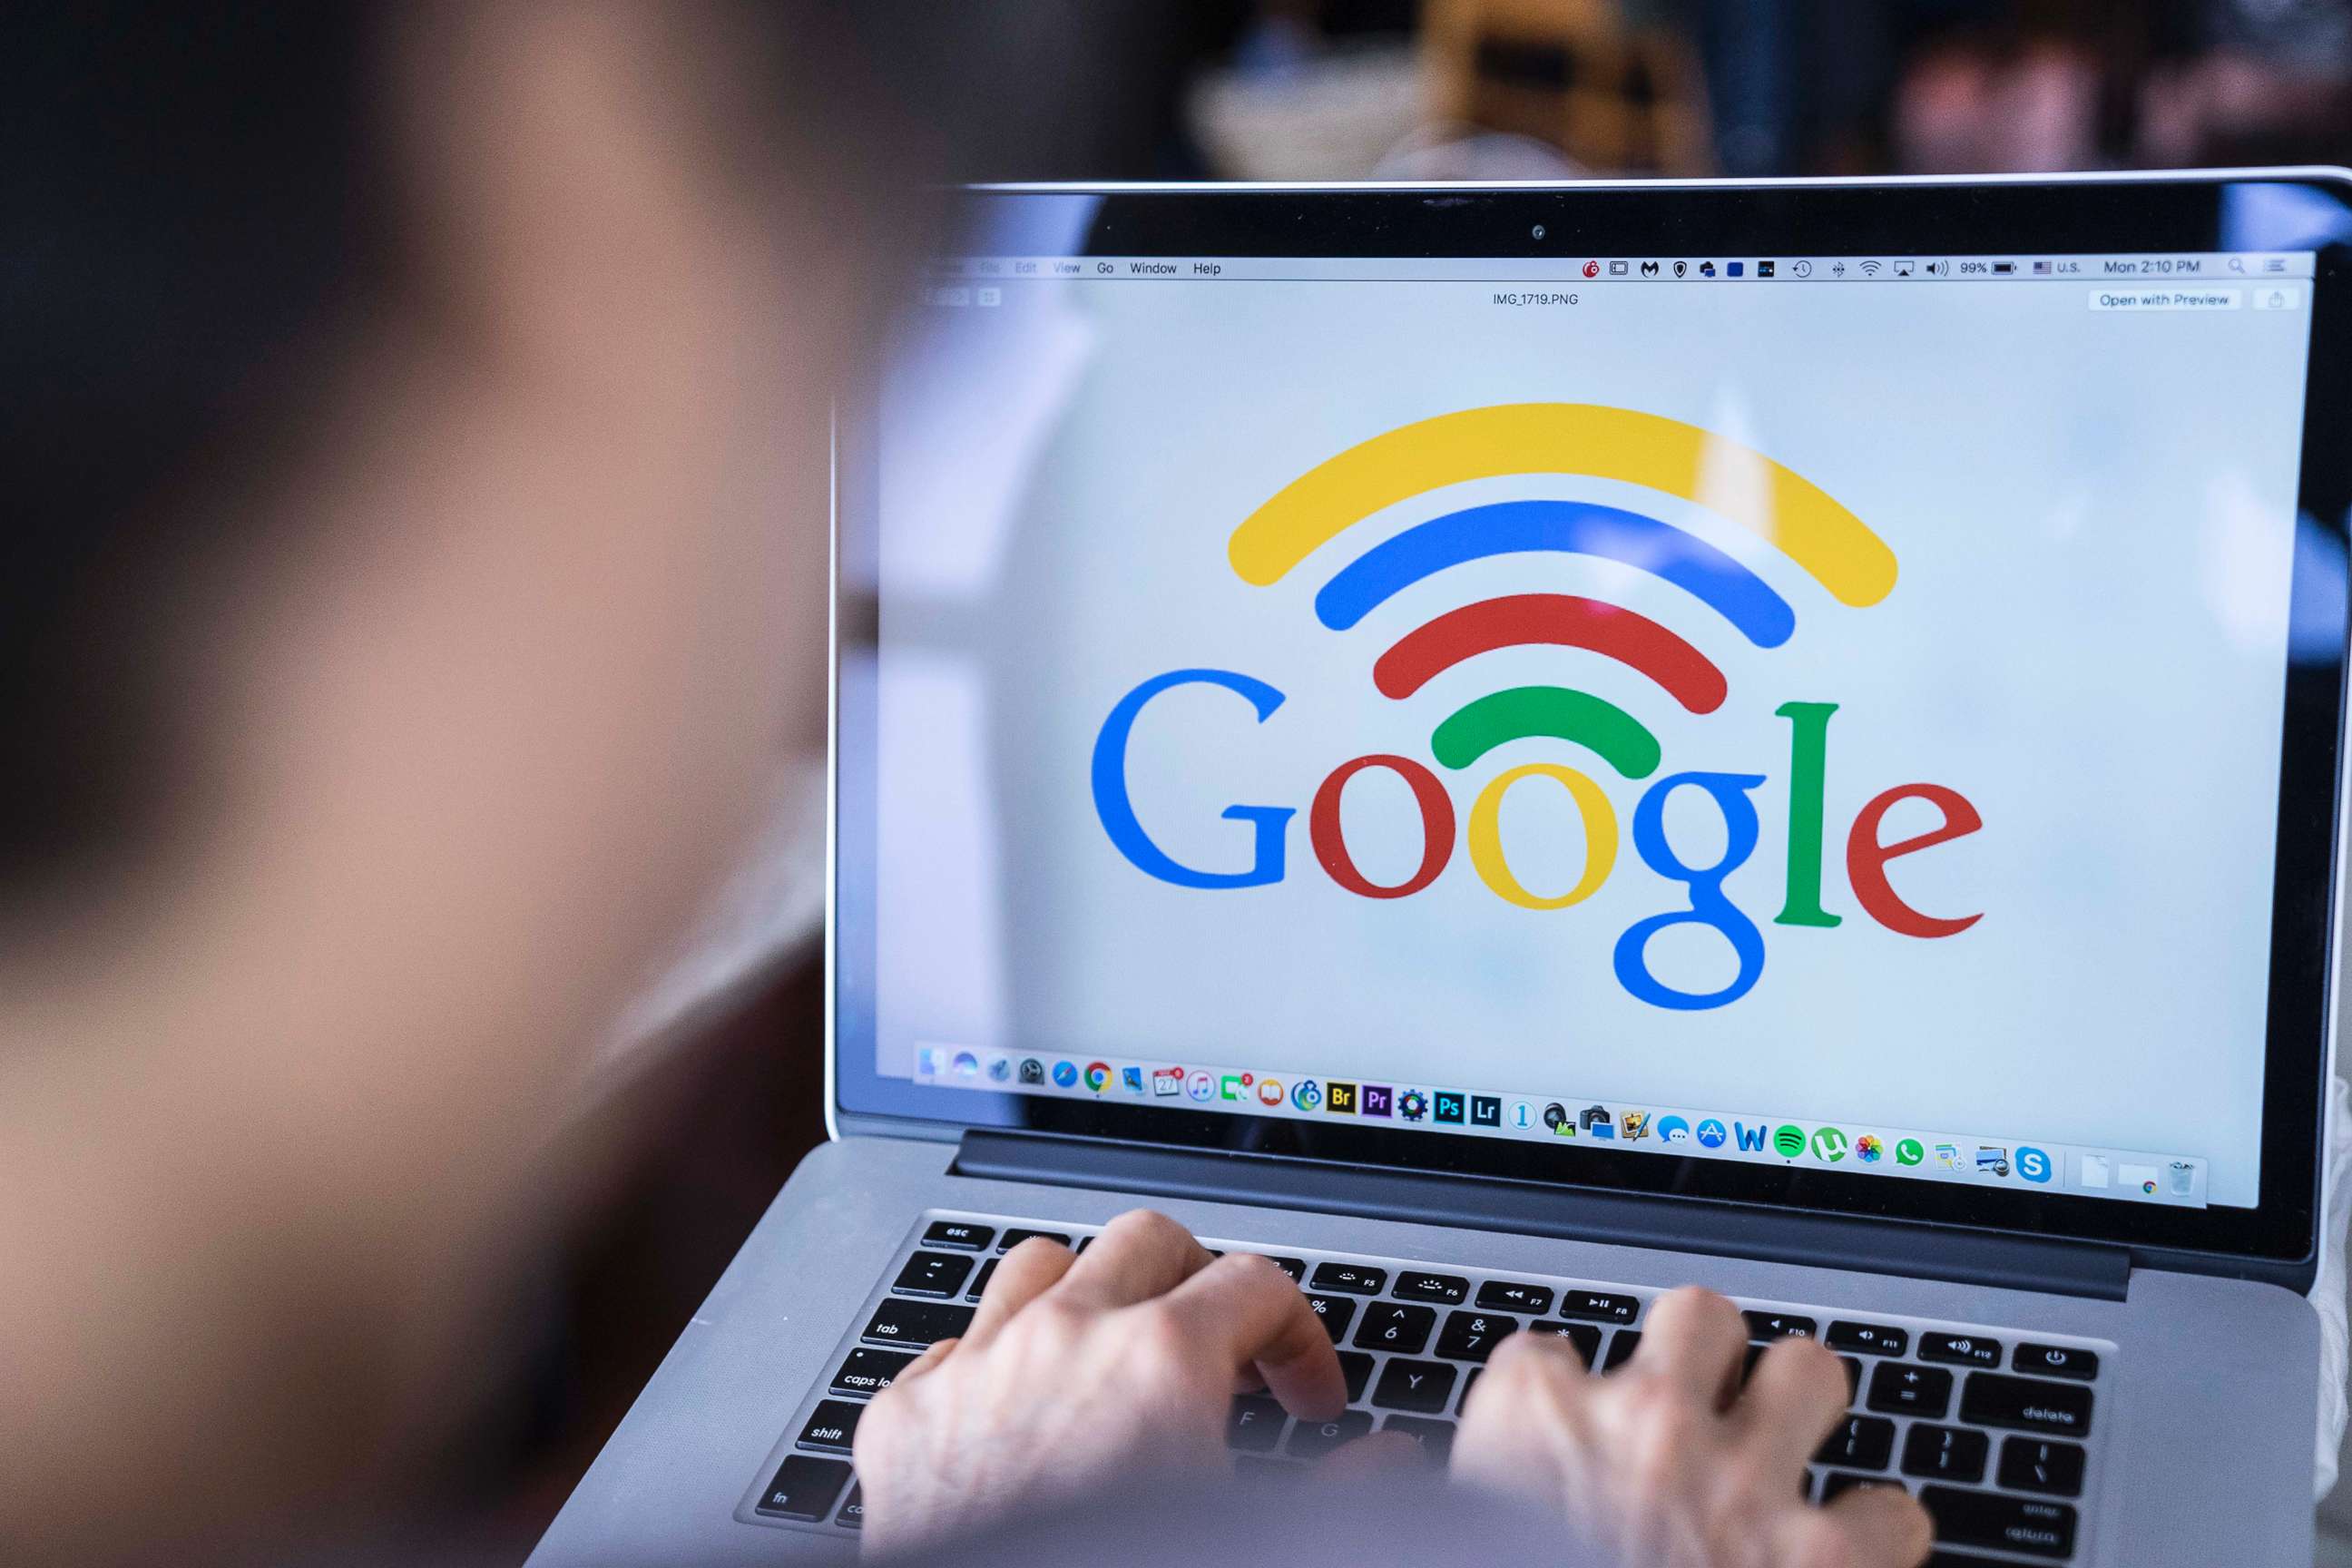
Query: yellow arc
[1788, 511]
[1486, 836]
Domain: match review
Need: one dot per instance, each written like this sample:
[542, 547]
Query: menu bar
[1682, 1131]
[2174, 266]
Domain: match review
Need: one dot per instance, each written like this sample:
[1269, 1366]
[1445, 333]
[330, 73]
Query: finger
[1022, 1275]
[1373, 1454]
[1139, 1256]
[934, 1356]
[1693, 1339]
[1795, 1398]
[1880, 1527]
[1243, 1309]
[1524, 1402]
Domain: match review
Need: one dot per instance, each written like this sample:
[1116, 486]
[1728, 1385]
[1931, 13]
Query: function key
[917, 1324]
[1867, 1339]
[1418, 1385]
[1294, 1267]
[1779, 1326]
[803, 1487]
[1313, 1439]
[1013, 1239]
[1335, 1312]
[2024, 1525]
[1903, 1389]
[853, 1513]
[1599, 1306]
[1435, 1438]
[1995, 1399]
[1945, 1453]
[1447, 1290]
[868, 1372]
[2032, 1465]
[1395, 1326]
[1353, 1278]
[932, 1274]
[1621, 1348]
[1254, 1425]
[2056, 1361]
[1472, 1336]
[1960, 1349]
[959, 1233]
[831, 1426]
[1510, 1295]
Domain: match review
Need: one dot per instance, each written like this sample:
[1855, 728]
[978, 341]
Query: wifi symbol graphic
[1788, 511]
[1869, 268]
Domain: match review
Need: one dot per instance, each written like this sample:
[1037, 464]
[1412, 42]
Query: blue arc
[1576, 528]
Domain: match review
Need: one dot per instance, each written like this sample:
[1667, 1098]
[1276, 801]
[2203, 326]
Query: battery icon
[2002, 269]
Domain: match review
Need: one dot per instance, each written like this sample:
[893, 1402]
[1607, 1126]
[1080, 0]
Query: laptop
[1515, 747]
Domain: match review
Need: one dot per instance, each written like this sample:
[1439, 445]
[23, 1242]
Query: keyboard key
[1621, 1348]
[1357, 1368]
[1779, 1326]
[1599, 1306]
[1294, 1267]
[2024, 1525]
[1418, 1385]
[1472, 1336]
[1852, 1369]
[869, 1372]
[1435, 1438]
[803, 1487]
[917, 1324]
[1469, 1381]
[1335, 1312]
[1254, 1425]
[830, 1427]
[2030, 1464]
[1509, 1296]
[1995, 1399]
[1583, 1336]
[1907, 1390]
[1313, 1439]
[979, 1286]
[853, 1513]
[1013, 1239]
[1859, 1443]
[1945, 1453]
[1353, 1278]
[1395, 1326]
[2056, 1361]
[1960, 1560]
[932, 1274]
[1867, 1339]
[1960, 1349]
[960, 1234]
[1836, 1483]
[1446, 1289]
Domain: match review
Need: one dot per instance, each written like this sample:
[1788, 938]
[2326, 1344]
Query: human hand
[1077, 1369]
[1661, 1463]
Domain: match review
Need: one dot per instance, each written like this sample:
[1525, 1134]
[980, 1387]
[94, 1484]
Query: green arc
[1600, 726]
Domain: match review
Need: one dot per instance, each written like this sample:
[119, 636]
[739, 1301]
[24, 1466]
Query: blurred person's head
[414, 430]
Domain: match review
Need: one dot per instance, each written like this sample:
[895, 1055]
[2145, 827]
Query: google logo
[1785, 510]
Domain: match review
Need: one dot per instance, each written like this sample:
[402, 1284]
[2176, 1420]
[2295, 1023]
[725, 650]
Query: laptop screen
[1821, 711]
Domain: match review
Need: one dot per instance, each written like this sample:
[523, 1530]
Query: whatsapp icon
[1908, 1152]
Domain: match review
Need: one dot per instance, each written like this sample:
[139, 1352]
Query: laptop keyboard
[1992, 1429]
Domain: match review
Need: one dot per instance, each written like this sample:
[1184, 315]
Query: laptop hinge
[1528, 1208]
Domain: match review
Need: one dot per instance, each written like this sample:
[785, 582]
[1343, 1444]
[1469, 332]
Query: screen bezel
[2087, 215]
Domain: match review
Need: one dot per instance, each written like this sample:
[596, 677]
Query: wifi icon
[1871, 268]
[1572, 440]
